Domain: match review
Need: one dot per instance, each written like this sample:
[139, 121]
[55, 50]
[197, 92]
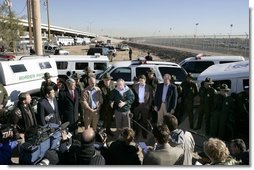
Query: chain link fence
[226, 44]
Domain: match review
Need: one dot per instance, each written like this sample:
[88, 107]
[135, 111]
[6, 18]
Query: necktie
[72, 95]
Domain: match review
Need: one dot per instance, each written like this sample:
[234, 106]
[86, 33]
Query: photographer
[45, 145]
[83, 151]
[7, 145]
[125, 151]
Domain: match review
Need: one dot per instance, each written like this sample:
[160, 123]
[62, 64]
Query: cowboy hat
[75, 76]
[46, 76]
[87, 69]
[209, 81]
[150, 71]
[224, 87]
[107, 76]
[189, 75]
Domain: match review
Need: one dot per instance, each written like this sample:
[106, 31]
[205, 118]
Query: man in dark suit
[165, 98]
[68, 103]
[47, 108]
[163, 154]
[143, 99]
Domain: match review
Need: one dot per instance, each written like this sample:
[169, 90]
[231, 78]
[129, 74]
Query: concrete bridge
[55, 30]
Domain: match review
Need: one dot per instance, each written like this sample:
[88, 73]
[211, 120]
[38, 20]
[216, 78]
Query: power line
[22, 9]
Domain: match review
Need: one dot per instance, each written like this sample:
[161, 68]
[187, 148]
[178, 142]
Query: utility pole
[47, 5]
[37, 26]
[29, 21]
[8, 3]
[196, 29]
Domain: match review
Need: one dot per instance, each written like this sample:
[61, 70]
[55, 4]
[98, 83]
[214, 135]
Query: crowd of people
[155, 107]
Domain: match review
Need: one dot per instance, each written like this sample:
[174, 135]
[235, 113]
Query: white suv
[127, 70]
[198, 64]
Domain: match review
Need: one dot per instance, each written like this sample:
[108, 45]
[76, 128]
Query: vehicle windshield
[98, 76]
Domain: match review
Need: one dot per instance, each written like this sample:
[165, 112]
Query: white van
[66, 65]
[198, 64]
[236, 75]
[25, 75]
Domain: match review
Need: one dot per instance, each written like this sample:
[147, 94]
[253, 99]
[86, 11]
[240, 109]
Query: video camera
[7, 132]
[5, 114]
[39, 140]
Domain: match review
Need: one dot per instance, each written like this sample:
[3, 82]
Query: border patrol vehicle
[25, 75]
[127, 70]
[198, 64]
[236, 75]
[67, 65]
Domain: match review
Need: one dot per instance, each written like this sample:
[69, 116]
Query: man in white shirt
[165, 98]
[143, 101]
[47, 108]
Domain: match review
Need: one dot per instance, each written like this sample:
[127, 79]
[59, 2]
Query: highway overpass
[55, 30]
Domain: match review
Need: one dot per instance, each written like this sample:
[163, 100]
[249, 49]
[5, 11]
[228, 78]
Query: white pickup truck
[50, 49]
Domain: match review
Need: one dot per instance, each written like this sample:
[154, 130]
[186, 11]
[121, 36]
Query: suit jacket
[44, 109]
[148, 95]
[163, 155]
[68, 108]
[86, 101]
[171, 97]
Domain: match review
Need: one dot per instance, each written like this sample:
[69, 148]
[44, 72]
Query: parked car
[123, 47]
[6, 57]
[111, 49]
[127, 70]
[51, 49]
[102, 51]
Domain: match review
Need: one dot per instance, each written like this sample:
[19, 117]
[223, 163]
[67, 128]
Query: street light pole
[231, 25]
[229, 36]
[196, 29]
[29, 21]
[170, 29]
[246, 45]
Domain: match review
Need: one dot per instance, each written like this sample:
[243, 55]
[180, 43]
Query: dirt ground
[120, 55]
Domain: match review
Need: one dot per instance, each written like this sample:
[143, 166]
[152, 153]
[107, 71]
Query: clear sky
[146, 17]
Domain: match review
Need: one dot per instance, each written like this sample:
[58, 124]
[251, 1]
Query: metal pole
[196, 29]
[48, 20]
[246, 45]
[37, 26]
[29, 21]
